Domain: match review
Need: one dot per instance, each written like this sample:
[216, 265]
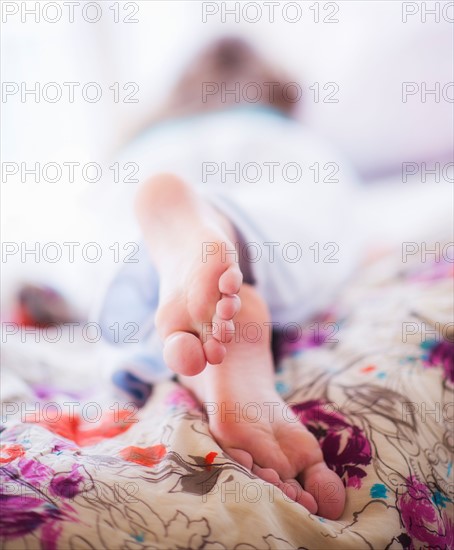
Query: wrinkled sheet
[372, 379]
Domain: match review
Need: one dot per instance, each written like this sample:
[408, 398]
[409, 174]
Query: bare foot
[192, 247]
[254, 426]
[198, 302]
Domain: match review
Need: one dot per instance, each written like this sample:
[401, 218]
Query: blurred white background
[368, 53]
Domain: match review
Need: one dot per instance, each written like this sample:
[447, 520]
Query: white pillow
[369, 54]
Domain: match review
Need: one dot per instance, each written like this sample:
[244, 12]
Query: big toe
[327, 489]
[183, 353]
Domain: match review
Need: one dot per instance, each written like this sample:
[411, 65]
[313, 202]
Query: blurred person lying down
[228, 257]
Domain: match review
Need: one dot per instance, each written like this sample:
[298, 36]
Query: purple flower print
[67, 485]
[34, 472]
[33, 496]
[434, 271]
[317, 332]
[427, 525]
[19, 515]
[441, 354]
[344, 446]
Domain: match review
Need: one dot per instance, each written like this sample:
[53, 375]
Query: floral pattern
[345, 448]
[379, 407]
[425, 516]
[441, 354]
[35, 497]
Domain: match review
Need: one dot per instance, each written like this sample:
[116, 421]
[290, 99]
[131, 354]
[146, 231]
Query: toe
[223, 331]
[183, 353]
[228, 307]
[242, 457]
[267, 474]
[214, 351]
[293, 490]
[230, 281]
[327, 489]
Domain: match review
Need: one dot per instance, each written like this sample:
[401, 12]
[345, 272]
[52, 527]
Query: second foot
[265, 436]
[254, 426]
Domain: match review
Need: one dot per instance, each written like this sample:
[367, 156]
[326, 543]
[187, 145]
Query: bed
[373, 381]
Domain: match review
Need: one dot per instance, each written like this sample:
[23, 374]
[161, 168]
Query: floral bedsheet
[372, 379]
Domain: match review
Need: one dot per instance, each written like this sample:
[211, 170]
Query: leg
[271, 441]
[197, 294]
